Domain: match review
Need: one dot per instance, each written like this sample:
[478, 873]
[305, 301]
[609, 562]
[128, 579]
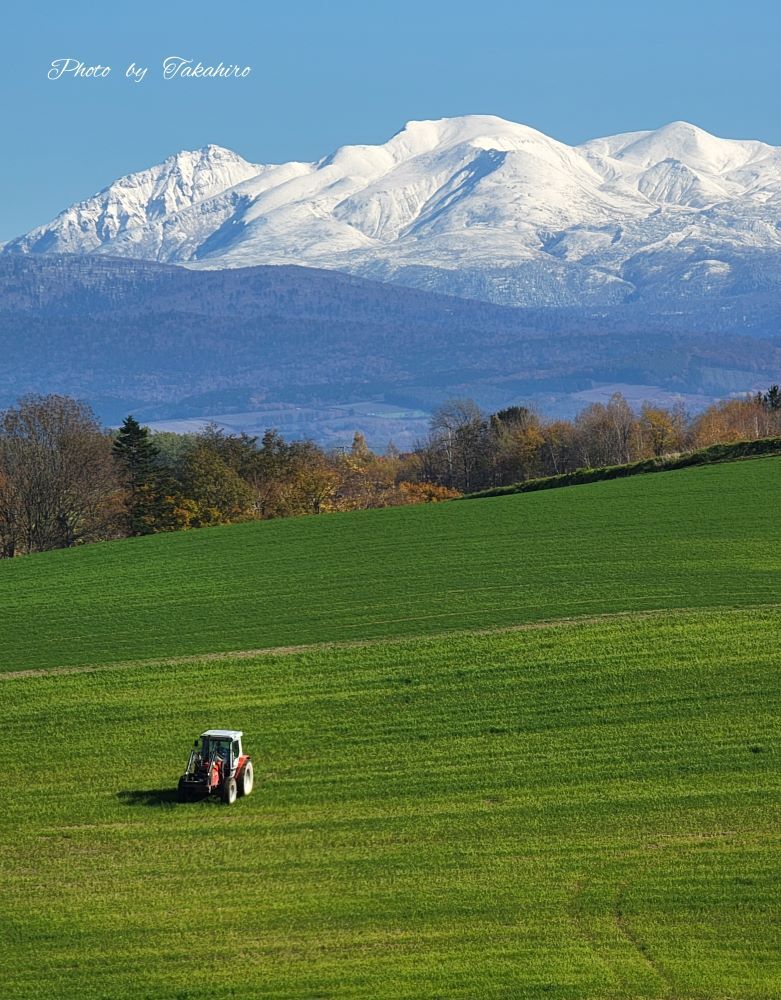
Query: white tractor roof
[224, 734]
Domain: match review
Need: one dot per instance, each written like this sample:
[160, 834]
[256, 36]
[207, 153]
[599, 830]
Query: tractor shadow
[150, 797]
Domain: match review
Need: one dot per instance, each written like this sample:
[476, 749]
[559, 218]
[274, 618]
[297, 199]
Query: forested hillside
[161, 340]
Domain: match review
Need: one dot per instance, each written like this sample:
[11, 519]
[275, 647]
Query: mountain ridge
[474, 206]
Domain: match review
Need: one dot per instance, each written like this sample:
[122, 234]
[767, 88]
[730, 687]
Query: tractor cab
[220, 744]
[217, 764]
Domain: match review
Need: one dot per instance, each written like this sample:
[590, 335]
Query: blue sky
[329, 73]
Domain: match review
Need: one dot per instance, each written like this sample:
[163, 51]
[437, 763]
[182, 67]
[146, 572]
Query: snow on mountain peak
[474, 204]
[419, 137]
[184, 179]
[681, 141]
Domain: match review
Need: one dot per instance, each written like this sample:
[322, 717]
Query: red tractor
[217, 766]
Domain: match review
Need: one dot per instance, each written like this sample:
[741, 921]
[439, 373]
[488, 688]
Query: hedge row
[704, 456]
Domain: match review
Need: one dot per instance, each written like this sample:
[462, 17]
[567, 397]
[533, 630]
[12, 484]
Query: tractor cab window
[235, 750]
[219, 748]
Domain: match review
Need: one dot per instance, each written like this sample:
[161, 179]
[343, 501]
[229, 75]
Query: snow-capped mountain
[138, 200]
[476, 206]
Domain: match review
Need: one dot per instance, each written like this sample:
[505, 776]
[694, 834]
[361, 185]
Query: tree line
[468, 450]
[65, 480]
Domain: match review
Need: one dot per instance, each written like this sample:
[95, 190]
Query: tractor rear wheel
[246, 779]
[229, 791]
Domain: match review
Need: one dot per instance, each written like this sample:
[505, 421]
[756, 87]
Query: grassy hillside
[691, 538]
[575, 810]
[582, 811]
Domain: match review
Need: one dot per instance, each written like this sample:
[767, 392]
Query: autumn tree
[238, 451]
[558, 453]
[288, 477]
[413, 493]
[457, 452]
[662, 431]
[744, 419]
[607, 434]
[58, 482]
[268, 471]
[366, 480]
[217, 490]
[516, 442]
[311, 483]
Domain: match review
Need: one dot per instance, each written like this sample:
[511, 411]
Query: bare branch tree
[59, 485]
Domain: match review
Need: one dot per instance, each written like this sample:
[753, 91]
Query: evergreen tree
[772, 398]
[137, 457]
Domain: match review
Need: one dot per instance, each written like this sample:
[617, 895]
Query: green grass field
[578, 810]
[692, 538]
